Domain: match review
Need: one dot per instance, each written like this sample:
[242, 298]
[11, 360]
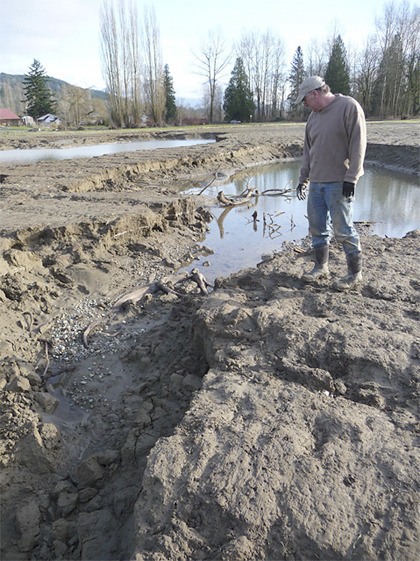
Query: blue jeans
[327, 204]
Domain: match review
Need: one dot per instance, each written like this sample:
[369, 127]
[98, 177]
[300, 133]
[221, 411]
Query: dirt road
[267, 420]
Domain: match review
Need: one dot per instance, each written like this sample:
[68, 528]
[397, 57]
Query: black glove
[301, 191]
[348, 189]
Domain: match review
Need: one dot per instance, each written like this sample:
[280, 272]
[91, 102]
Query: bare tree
[213, 60]
[154, 75]
[277, 80]
[398, 32]
[110, 61]
[365, 73]
[263, 58]
[121, 61]
[75, 104]
[413, 74]
[317, 56]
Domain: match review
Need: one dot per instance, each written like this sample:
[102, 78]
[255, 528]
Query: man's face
[312, 100]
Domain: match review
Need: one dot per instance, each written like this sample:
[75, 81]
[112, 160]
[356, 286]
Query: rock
[32, 454]
[19, 384]
[94, 533]
[89, 472]
[87, 494]
[61, 529]
[6, 348]
[50, 435]
[124, 500]
[143, 445]
[23, 260]
[60, 549]
[192, 382]
[47, 402]
[66, 503]
[108, 457]
[28, 518]
[239, 549]
[34, 378]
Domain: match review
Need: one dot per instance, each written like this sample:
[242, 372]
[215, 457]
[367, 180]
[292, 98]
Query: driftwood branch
[90, 329]
[134, 296]
[200, 280]
[246, 190]
[236, 201]
[276, 192]
[165, 285]
[211, 182]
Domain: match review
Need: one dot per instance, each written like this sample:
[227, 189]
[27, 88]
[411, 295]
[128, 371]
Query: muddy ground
[268, 420]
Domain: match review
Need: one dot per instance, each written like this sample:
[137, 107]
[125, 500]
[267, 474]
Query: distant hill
[12, 94]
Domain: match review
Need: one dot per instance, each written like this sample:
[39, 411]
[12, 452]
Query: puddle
[33, 155]
[388, 200]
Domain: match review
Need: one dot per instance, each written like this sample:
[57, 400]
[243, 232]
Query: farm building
[48, 119]
[7, 117]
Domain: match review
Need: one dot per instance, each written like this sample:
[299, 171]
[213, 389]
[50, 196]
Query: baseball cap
[308, 85]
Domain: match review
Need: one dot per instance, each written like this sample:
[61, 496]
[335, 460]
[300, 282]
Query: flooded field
[387, 202]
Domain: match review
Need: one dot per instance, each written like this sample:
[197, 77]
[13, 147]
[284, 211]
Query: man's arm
[356, 129]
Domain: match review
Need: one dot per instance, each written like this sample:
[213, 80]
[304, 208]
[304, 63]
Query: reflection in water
[221, 219]
[388, 200]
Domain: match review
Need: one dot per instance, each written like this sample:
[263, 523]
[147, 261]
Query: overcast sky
[64, 34]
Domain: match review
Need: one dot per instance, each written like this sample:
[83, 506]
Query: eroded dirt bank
[268, 420]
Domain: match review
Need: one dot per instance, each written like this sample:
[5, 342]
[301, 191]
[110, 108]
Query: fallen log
[221, 197]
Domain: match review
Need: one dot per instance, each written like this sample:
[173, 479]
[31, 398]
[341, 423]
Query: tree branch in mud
[200, 280]
[211, 182]
[164, 285]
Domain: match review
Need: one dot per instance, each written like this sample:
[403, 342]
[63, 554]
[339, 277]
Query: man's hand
[348, 189]
[301, 191]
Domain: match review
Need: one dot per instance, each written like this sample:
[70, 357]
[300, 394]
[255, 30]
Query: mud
[268, 420]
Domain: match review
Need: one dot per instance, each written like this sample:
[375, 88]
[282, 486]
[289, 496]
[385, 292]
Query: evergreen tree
[238, 100]
[170, 101]
[39, 98]
[297, 74]
[337, 75]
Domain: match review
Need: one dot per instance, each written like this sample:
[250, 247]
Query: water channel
[33, 155]
[388, 201]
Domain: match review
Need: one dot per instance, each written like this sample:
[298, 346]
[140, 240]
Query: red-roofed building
[7, 117]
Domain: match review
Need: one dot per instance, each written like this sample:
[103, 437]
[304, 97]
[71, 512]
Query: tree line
[384, 76]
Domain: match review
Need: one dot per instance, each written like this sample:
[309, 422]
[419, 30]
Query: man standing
[333, 155]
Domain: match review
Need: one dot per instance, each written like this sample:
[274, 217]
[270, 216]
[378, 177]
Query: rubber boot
[354, 274]
[320, 269]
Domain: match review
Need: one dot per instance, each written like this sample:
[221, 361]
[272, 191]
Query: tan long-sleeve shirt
[335, 143]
